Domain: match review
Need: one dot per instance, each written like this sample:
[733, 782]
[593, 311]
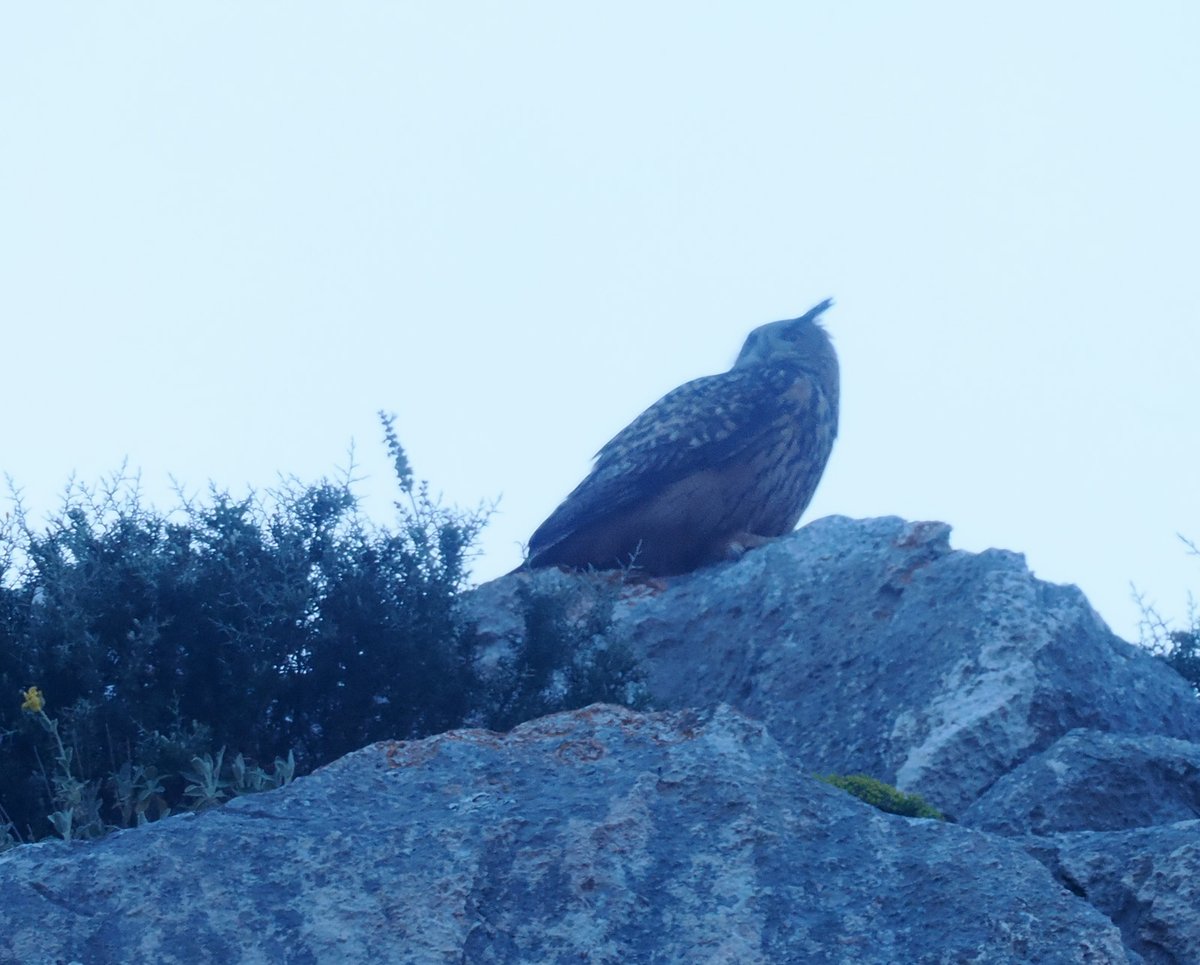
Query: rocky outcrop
[871, 646]
[1146, 881]
[600, 835]
[698, 833]
[1116, 818]
[1093, 781]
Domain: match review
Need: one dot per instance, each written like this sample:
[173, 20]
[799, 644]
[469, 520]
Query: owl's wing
[704, 423]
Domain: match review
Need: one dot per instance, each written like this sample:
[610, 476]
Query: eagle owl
[717, 466]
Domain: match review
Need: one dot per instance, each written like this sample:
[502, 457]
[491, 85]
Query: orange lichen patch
[635, 585]
[634, 593]
[663, 727]
[575, 737]
[610, 714]
[922, 533]
[415, 753]
[926, 542]
[407, 753]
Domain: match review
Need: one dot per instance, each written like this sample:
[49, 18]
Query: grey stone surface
[871, 646]
[1147, 881]
[698, 834]
[600, 835]
[1093, 781]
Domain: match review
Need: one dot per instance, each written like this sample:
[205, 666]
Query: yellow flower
[34, 701]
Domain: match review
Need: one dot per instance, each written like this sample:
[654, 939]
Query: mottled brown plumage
[715, 467]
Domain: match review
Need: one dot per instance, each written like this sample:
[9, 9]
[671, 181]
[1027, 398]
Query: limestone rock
[698, 833]
[871, 646]
[1092, 781]
[1147, 881]
[600, 835]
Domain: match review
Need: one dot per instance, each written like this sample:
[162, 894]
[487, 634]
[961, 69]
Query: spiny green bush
[568, 657]
[883, 796]
[1181, 651]
[149, 661]
[1180, 648]
[1185, 655]
[152, 662]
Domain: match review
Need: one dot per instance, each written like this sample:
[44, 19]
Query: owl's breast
[781, 474]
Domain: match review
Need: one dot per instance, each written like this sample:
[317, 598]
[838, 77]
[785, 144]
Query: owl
[720, 465]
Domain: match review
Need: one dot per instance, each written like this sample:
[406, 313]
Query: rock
[697, 833]
[1094, 781]
[1113, 816]
[869, 646]
[1146, 881]
[600, 835]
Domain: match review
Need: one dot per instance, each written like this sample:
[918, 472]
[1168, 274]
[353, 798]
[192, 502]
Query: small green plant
[138, 793]
[210, 784]
[78, 814]
[569, 657]
[883, 796]
[1184, 654]
[205, 788]
[1179, 648]
[10, 837]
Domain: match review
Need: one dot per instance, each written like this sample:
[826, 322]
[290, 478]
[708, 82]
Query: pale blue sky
[230, 232]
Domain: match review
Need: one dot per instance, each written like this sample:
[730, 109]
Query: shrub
[883, 796]
[153, 662]
[1180, 649]
[283, 628]
[568, 657]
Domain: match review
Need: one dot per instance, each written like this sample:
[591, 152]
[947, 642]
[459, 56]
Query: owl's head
[801, 342]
